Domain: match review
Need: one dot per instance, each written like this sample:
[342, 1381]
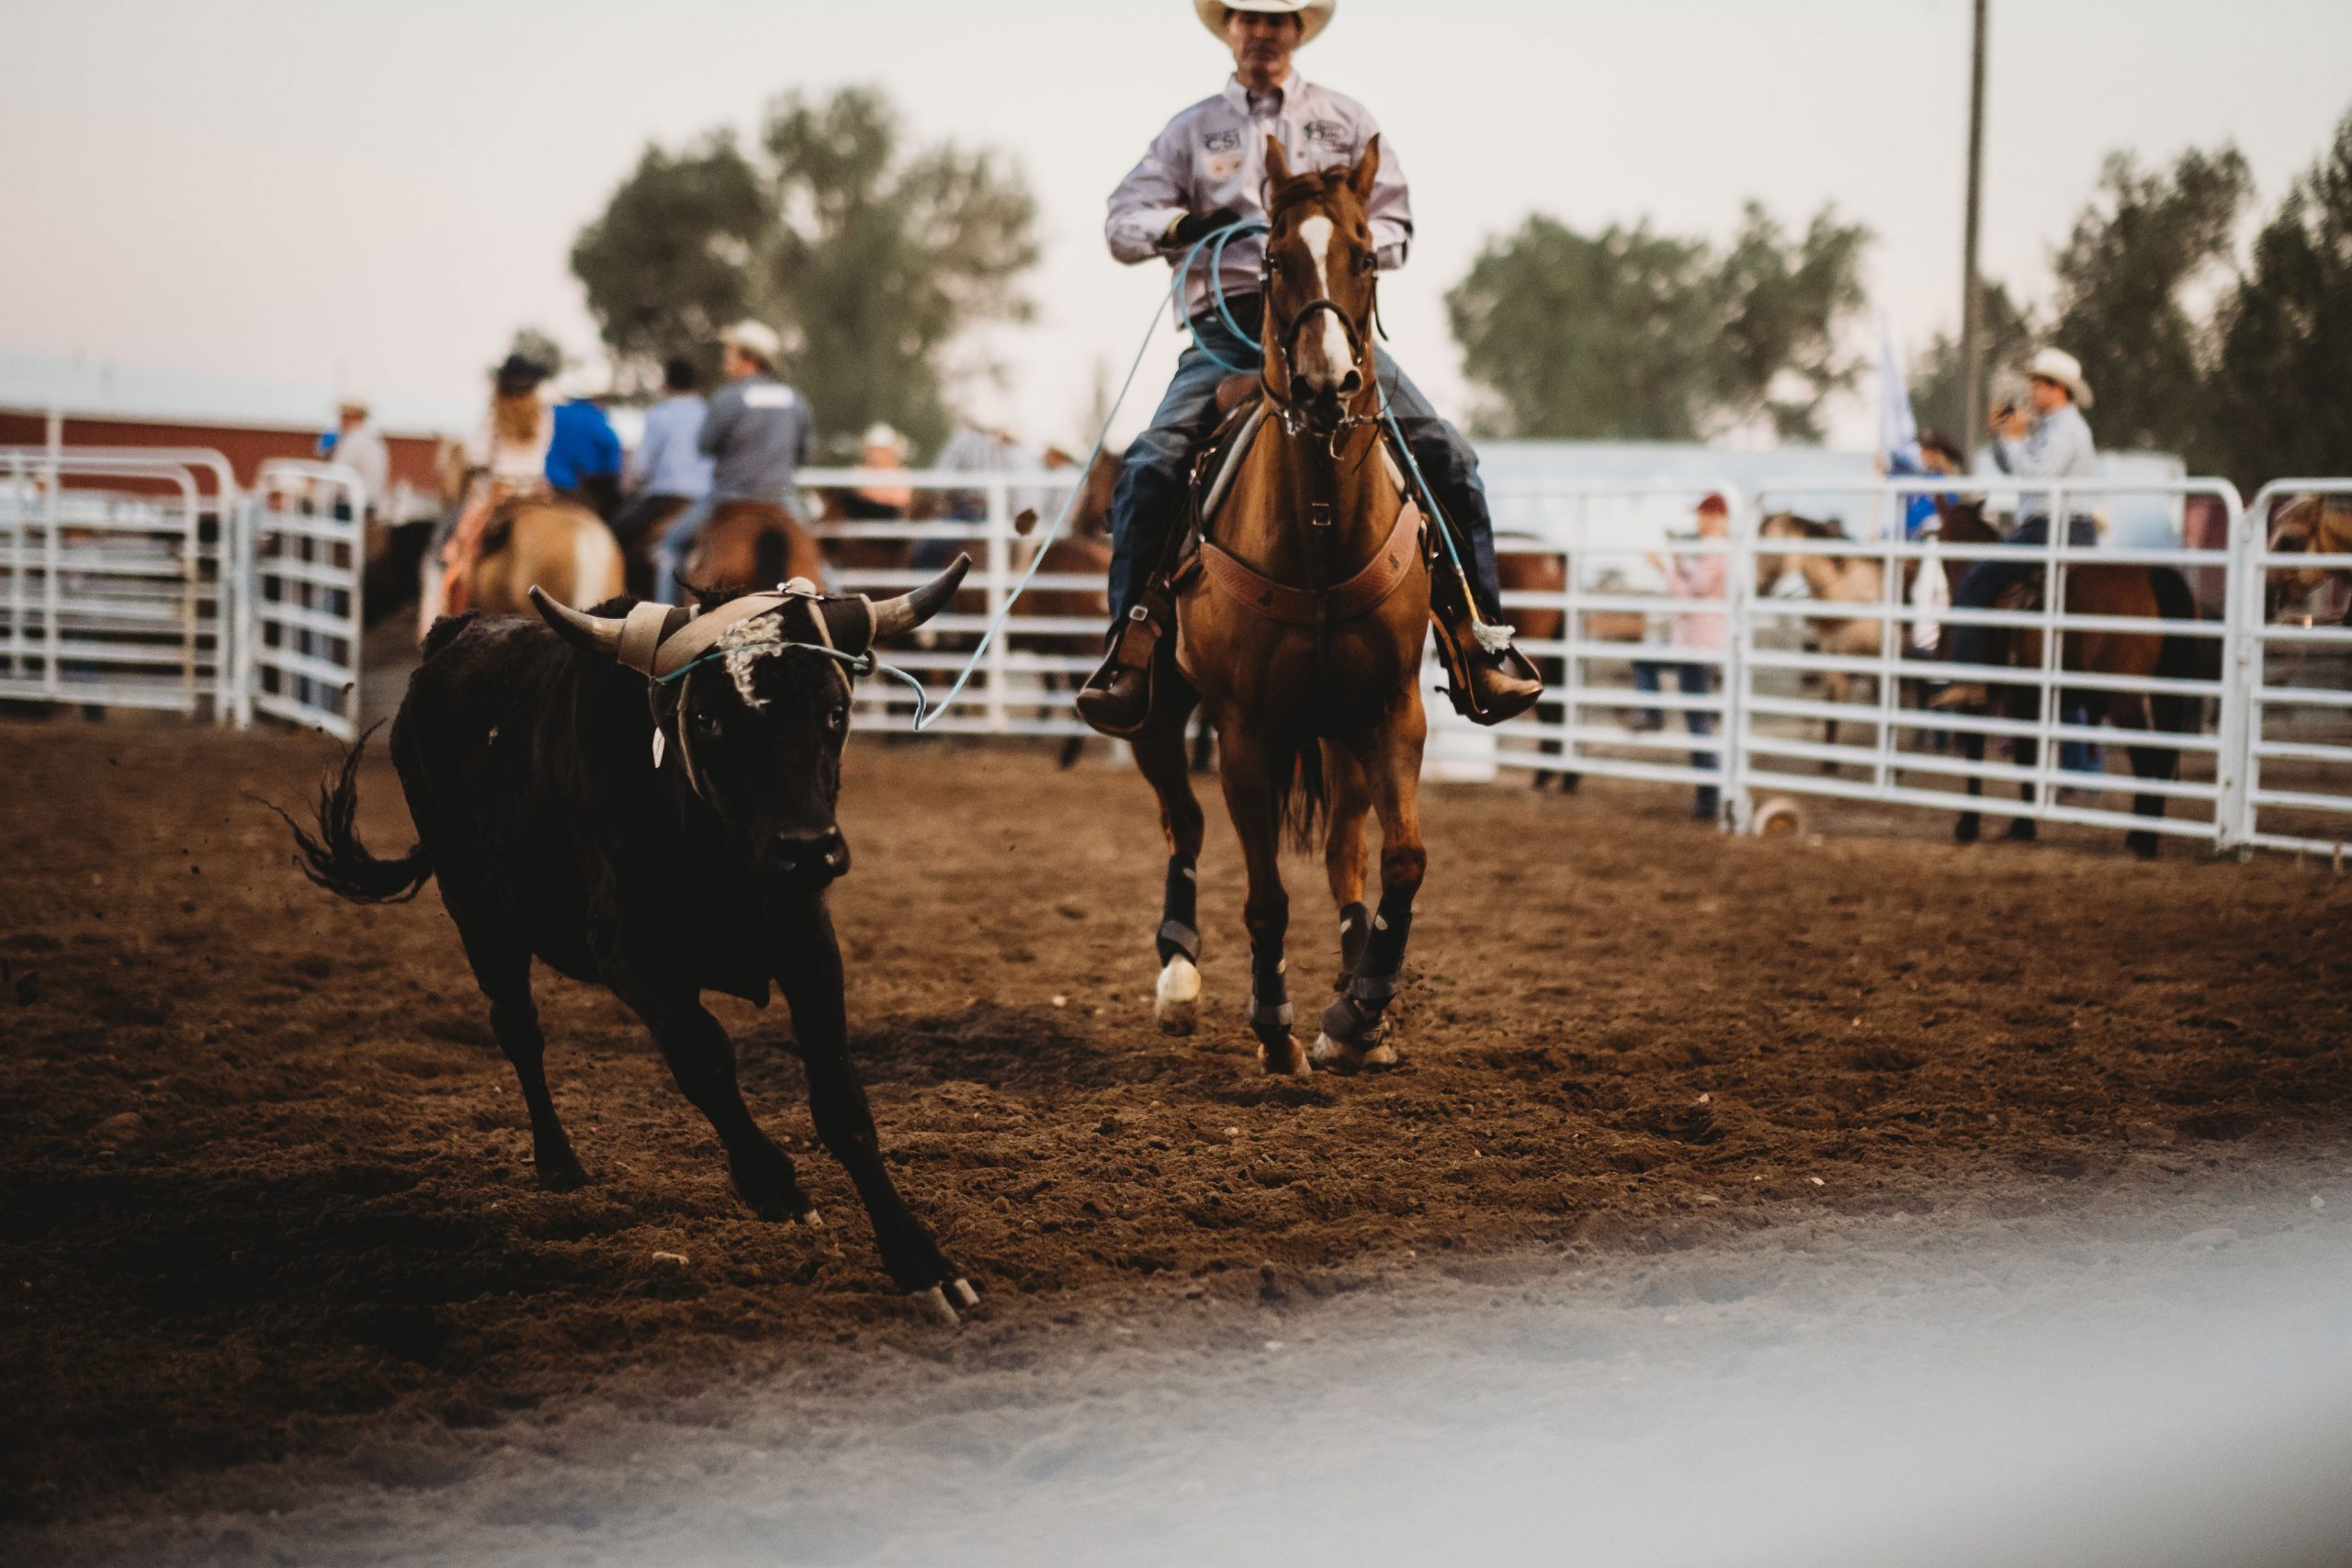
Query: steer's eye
[704, 722]
[837, 717]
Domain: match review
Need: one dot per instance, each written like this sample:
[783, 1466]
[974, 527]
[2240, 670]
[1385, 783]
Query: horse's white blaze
[1317, 233]
[1179, 999]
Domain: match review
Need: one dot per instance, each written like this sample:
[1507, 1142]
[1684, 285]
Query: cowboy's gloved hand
[1196, 225]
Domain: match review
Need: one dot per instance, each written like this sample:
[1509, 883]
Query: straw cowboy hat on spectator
[756, 339]
[2057, 365]
[1313, 15]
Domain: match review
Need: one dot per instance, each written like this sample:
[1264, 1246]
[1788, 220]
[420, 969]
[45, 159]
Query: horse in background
[559, 544]
[1836, 579]
[2154, 594]
[2311, 525]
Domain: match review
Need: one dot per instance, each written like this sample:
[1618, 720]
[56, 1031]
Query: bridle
[1281, 335]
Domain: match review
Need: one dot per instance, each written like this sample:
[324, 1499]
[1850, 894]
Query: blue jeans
[1697, 680]
[1150, 500]
[1988, 580]
[678, 544]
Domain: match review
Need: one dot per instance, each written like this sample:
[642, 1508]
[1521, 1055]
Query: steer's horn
[629, 638]
[896, 617]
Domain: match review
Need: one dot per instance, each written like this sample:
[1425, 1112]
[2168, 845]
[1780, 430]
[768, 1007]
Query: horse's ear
[1361, 178]
[1277, 163]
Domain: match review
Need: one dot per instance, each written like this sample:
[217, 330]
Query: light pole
[1972, 299]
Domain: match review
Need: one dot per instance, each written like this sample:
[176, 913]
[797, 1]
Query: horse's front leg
[1159, 754]
[1354, 1026]
[1245, 762]
[1343, 855]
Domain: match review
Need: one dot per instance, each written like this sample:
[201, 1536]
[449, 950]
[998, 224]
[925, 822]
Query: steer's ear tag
[661, 746]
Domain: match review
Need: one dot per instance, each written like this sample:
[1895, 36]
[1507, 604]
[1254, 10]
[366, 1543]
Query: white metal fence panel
[2294, 669]
[1585, 582]
[1028, 681]
[1876, 743]
[110, 589]
[303, 553]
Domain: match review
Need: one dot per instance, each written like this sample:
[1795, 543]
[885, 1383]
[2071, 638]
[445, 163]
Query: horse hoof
[2141, 844]
[1177, 1006]
[1328, 1051]
[1965, 830]
[2023, 831]
[1285, 1060]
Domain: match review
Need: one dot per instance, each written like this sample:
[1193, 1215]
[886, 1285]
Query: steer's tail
[337, 861]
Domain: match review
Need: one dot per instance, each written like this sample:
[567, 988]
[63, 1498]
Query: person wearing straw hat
[1203, 173]
[2050, 439]
[757, 432]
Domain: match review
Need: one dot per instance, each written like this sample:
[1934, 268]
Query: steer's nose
[821, 856]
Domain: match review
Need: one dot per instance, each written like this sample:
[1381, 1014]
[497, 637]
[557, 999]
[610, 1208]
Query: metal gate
[1860, 736]
[111, 591]
[2295, 675]
[301, 554]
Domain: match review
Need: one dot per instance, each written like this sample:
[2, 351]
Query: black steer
[646, 800]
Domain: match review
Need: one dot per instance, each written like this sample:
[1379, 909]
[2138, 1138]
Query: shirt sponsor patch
[1226, 140]
[1326, 133]
[768, 396]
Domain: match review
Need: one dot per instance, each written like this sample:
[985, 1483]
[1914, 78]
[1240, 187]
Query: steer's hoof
[1177, 1005]
[812, 1218]
[562, 1175]
[934, 1301]
[1285, 1058]
[965, 1297]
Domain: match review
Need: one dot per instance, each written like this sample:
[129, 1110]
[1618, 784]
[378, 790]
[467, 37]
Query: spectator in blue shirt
[1938, 454]
[584, 455]
[668, 471]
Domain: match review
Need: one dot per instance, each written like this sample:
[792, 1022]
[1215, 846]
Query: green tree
[2281, 401]
[2127, 278]
[1577, 337]
[668, 263]
[871, 259]
[2010, 336]
[1635, 336]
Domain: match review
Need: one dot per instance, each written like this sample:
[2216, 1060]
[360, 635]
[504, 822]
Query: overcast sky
[372, 196]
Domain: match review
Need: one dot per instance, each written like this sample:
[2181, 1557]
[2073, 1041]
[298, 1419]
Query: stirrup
[1134, 652]
[1460, 651]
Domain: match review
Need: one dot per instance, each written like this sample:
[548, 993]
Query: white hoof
[813, 1220]
[965, 1297]
[1380, 1056]
[1329, 1050]
[1178, 1003]
[934, 1301]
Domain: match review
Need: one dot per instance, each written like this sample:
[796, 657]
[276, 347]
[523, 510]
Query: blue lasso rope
[859, 664]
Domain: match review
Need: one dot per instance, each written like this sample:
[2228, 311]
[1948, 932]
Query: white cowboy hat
[2057, 365]
[890, 440]
[1314, 14]
[756, 338]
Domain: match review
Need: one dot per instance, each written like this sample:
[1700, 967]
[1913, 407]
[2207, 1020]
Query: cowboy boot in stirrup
[1488, 679]
[1116, 699]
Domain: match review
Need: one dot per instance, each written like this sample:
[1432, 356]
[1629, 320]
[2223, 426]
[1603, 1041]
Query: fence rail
[146, 576]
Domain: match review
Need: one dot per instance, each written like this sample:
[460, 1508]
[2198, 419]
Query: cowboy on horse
[1205, 173]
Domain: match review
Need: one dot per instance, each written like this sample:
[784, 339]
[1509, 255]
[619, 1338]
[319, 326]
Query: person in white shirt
[669, 470]
[2050, 440]
[1200, 175]
[359, 446]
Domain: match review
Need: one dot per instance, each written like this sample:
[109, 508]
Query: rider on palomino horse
[506, 458]
[1203, 172]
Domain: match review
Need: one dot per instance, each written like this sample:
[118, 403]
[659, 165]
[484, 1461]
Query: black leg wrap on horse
[1355, 930]
[1270, 1009]
[1373, 982]
[1179, 912]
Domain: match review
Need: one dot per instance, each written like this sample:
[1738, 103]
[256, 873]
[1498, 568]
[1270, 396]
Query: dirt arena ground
[265, 1185]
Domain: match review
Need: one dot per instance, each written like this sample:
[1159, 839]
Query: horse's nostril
[1349, 383]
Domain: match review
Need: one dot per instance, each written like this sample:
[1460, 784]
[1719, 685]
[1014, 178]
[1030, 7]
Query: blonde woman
[506, 458]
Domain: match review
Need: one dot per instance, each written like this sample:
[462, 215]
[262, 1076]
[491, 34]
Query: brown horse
[2154, 594]
[1545, 572]
[1850, 579]
[746, 545]
[1301, 634]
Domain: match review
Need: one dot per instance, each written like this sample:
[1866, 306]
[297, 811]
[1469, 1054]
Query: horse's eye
[1363, 264]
